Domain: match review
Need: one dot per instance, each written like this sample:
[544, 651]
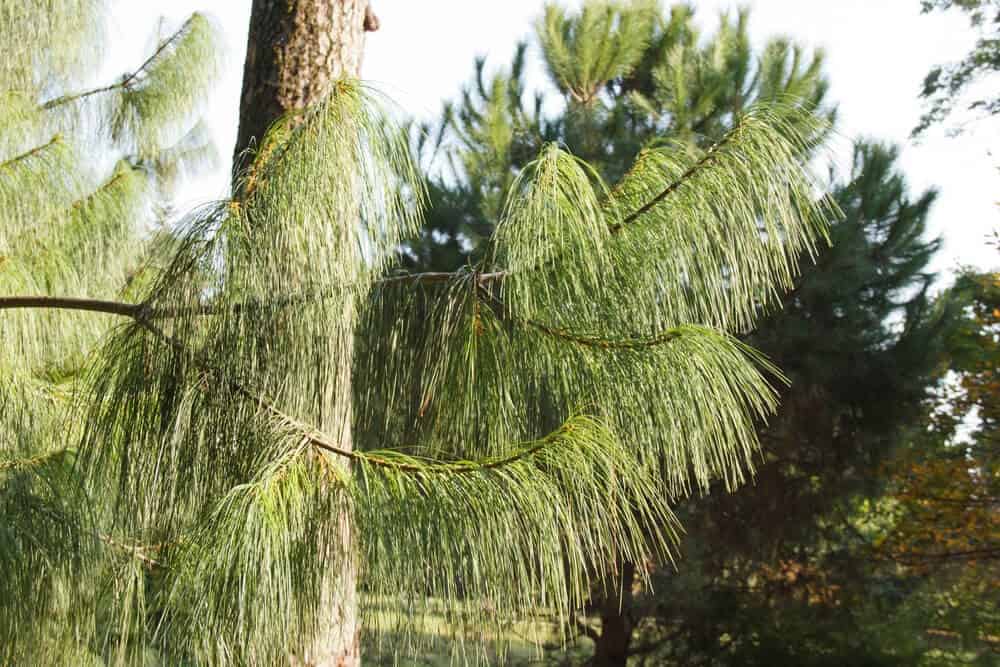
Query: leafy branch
[383, 459]
[56, 138]
[128, 79]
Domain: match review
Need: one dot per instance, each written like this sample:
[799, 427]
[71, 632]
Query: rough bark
[295, 50]
[612, 646]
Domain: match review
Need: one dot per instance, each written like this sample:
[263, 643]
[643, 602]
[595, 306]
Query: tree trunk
[295, 50]
[611, 647]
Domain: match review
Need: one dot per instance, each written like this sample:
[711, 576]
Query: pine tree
[487, 432]
[629, 80]
[83, 174]
[627, 77]
[289, 69]
[862, 342]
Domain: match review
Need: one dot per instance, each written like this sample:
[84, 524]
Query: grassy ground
[441, 641]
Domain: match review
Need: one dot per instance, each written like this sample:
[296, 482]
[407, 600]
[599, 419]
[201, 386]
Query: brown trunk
[611, 647]
[295, 50]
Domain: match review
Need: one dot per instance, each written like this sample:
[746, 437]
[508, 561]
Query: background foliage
[805, 565]
[170, 488]
[281, 408]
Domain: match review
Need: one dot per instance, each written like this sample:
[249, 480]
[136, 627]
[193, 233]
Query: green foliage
[604, 42]
[175, 77]
[491, 452]
[783, 571]
[945, 86]
[772, 574]
[670, 87]
[939, 530]
[77, 201]
[504, 534]
[64, 40]
[57, 254]
[43, 542]
[869, 292]
[217, 439]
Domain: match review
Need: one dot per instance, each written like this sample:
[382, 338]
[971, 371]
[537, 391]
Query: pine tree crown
[519, 425]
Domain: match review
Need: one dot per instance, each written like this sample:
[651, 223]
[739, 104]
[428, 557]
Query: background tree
[765, 572]
[625, 77]
[936, 528]
[215, 421]
[946, 488]
[945, 86]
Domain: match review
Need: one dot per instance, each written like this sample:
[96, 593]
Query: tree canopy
[946, 86]
[84, 168]
[675, 85]
[183, 494]
[774, 572]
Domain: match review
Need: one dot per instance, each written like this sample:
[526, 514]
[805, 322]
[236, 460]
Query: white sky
[878, 52]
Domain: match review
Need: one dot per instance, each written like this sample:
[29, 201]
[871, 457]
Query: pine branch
[137, 311]
[318, 439]
[710, 155]
[460, 467]
[125, 81]
[32, 462]
[138, 551]
[108, 184]
[131, 310]
[430, 277]
[587, 340]
[606, 343]
[141, 313]
[34, 151]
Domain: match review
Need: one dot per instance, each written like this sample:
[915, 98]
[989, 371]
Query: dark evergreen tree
[858, 338]
[776, 574]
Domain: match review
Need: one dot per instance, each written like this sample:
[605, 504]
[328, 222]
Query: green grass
[438, 640]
